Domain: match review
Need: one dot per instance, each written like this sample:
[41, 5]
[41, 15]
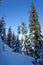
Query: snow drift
[11, 58]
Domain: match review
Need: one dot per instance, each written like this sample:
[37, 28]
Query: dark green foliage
[34, 23]
[35, 31]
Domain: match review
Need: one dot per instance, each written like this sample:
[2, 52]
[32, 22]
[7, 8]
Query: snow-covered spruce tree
[2, 29]
[24, 33]
[9, 37]
[35, 31]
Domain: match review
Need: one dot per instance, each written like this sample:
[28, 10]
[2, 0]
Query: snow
[14, 59]
[11, 58]
[4, 46]
[32, 47]
[7, 48]
[20, 36]
[1, 44]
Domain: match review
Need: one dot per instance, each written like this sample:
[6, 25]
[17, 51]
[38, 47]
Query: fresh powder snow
[7, 57]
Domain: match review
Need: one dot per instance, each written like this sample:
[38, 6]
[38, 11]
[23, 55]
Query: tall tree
[34, 22]
[9, 36]
[2, 29]
[35, 29]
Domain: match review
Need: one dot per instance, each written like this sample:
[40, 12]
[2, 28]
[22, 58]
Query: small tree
[9, 36]
[16, 45]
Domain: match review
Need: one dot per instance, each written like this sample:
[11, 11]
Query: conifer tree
[35, 30]
[34, 22]
[2, 29]
[24, 33]
[9, 36]
[16, 45]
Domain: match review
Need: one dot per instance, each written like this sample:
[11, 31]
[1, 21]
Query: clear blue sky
[16, 11]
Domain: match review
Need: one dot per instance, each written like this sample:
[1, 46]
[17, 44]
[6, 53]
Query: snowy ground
[7, 58]
[10, 58]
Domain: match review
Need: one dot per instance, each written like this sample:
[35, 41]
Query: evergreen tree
[9, 36]
[16, 45]
[2, 29]
[34, 23]
[24, 33]
[35, 31]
